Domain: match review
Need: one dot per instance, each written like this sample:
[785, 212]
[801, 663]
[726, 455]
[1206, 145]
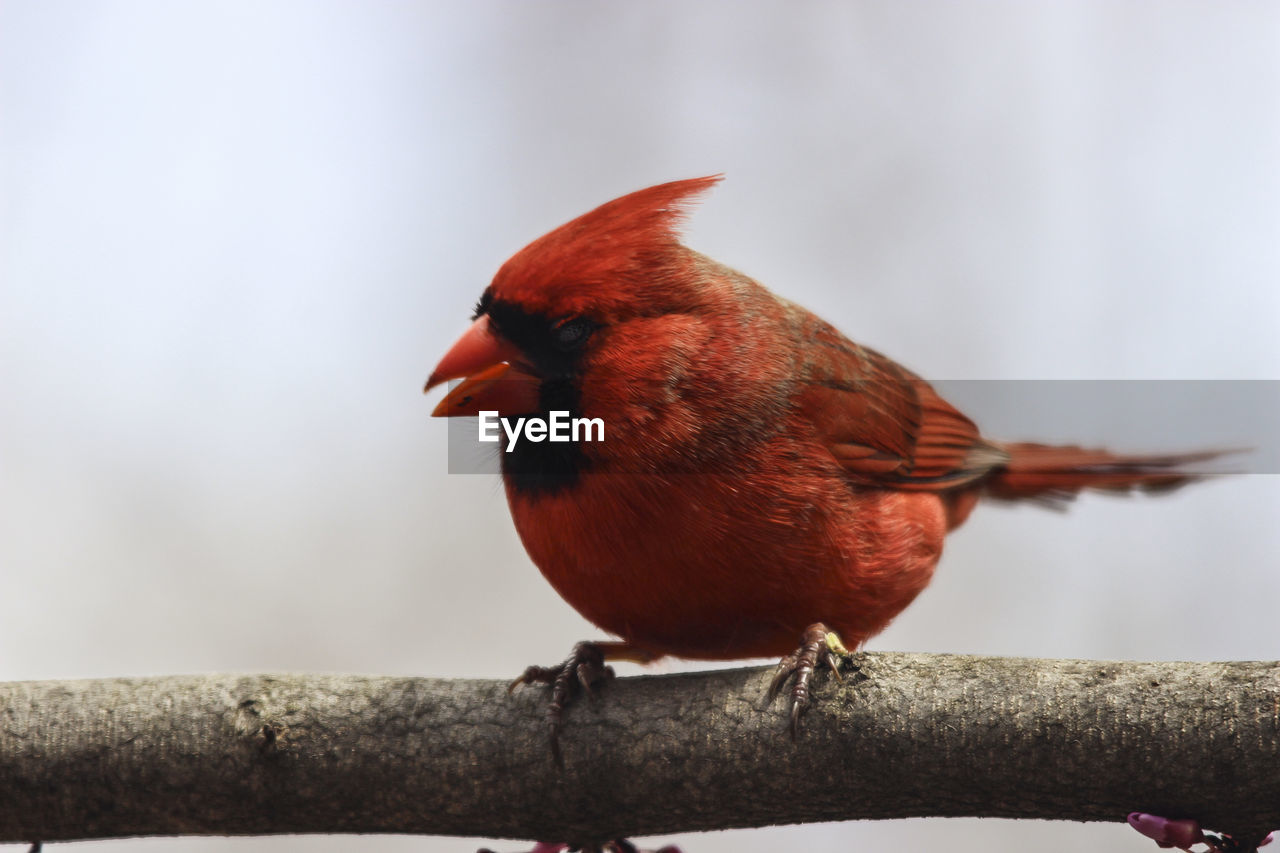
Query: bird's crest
[602, 256]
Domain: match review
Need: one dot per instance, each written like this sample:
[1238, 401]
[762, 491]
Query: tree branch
[907, 735]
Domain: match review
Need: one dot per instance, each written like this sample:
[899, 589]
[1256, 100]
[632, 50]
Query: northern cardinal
[762, 478]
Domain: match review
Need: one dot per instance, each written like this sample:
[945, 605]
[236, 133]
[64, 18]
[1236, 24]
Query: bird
[764, 486]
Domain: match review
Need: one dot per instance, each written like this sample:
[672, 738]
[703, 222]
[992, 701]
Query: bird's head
[609, 317]
[553, 304]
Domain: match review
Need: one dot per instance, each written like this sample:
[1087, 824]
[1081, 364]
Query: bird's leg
[584, 669]
[819, 646]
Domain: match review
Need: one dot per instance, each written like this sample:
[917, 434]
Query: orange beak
[494, 378]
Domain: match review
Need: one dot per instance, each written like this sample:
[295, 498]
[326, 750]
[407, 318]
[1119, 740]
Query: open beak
[494, 377]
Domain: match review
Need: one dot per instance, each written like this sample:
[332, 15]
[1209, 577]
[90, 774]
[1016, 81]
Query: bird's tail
[1056, 472]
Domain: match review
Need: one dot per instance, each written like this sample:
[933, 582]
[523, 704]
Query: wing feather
[885, 425]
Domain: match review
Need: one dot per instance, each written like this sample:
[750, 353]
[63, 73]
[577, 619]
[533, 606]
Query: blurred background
[236, 236]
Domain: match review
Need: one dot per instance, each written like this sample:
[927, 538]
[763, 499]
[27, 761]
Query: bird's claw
[585, 668]
[819, 646]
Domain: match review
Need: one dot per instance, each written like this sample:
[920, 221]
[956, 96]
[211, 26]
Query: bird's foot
[584, 669]
[819, 646]
[618, 845]
[1185, 832]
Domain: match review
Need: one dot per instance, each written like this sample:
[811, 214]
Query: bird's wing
[884, 424]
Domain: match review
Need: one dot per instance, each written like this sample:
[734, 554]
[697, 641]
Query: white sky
[235, 237]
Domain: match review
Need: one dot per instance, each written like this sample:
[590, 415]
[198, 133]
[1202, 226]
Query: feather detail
[1059, 472]
[618, 257]
[886, 426]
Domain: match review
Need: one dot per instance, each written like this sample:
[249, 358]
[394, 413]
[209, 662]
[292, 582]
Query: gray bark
[905, 735]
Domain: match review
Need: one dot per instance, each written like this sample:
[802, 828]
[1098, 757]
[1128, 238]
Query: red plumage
[760, 472]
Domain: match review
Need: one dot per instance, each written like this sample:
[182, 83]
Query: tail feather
[1059, 472]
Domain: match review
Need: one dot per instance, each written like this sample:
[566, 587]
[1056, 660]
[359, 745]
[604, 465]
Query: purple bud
[1166, 832]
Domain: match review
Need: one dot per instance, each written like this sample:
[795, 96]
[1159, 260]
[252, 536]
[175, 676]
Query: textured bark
[906, 735]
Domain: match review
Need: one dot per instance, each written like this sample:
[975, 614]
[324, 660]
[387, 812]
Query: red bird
[762, 478]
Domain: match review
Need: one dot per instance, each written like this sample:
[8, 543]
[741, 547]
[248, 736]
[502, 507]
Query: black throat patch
[542, 467]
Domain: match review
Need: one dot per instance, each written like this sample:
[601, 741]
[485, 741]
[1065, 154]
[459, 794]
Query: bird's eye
[571, 334]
